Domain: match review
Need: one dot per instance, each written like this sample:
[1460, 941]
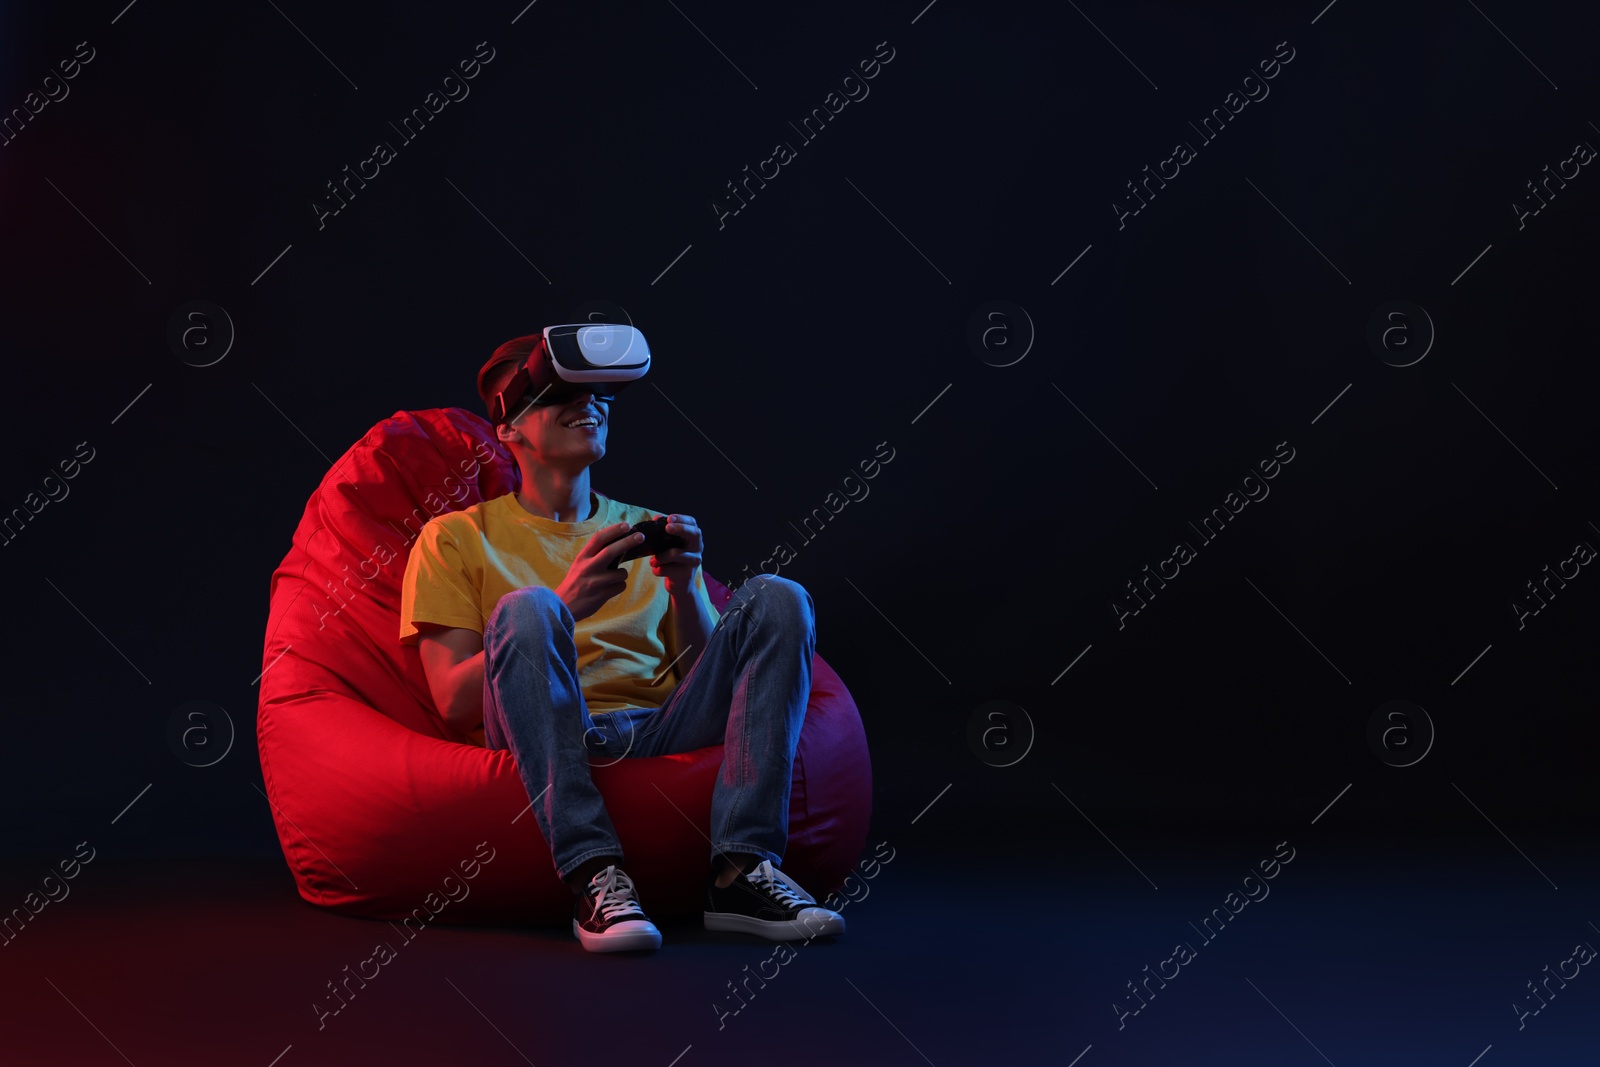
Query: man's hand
[676, 567]
[594, 576]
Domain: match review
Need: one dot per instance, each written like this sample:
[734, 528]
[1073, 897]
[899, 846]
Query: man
[531, 625]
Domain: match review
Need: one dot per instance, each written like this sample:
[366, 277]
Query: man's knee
[531, 608]
[779, 597]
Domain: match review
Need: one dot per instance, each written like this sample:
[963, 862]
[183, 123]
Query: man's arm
[452, 658]
[694, 626]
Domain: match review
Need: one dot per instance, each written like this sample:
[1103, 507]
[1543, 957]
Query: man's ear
[506, 432]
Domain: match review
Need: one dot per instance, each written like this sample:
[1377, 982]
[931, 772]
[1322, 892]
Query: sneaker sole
[617, 940]
[784, 930]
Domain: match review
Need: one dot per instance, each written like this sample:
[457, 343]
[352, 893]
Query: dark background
[815, 325]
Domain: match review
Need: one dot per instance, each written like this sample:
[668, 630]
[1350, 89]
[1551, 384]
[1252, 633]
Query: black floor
[1403, 951]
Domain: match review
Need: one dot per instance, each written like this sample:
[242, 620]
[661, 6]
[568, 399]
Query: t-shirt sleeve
[438, 586]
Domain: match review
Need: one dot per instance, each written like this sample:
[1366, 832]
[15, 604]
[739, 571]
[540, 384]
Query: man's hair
[501, 368]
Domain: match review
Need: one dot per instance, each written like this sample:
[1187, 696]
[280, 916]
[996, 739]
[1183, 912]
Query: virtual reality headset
[572, 360]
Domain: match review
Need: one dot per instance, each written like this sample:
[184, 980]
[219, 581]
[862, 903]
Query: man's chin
[578, 456]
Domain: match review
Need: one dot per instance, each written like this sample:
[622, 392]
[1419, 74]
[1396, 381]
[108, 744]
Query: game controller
[656, 539]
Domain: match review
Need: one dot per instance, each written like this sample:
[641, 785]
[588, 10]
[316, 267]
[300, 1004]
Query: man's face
[567, 434]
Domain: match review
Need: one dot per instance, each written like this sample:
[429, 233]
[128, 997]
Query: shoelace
[788, 892]
[615, 896]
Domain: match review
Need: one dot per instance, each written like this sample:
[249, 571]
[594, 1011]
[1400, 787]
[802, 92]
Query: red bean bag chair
[382, 809]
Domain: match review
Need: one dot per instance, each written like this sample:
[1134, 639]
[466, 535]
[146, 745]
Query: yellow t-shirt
[464, 561]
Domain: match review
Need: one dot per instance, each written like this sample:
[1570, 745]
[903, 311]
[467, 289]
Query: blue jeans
[747, 690]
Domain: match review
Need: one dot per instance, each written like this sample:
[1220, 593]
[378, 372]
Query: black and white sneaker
[608, 918]
[767, 902]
